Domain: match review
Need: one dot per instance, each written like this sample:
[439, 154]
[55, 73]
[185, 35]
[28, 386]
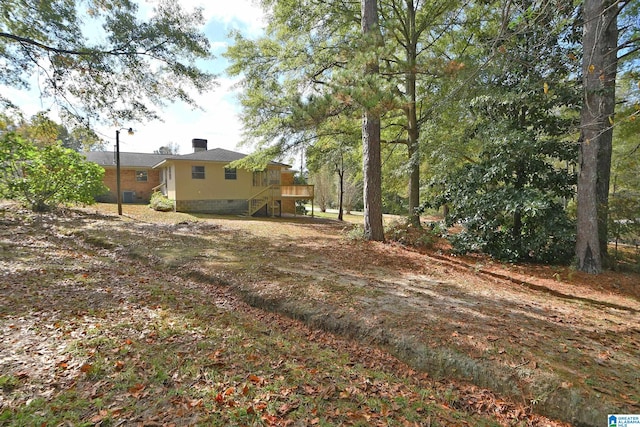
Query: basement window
[197, 172]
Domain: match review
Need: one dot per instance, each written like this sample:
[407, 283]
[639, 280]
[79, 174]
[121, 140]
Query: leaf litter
[109, 321]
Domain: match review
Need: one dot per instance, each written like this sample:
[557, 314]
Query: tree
[170, 149]
[371, 168]
[133, 68]
[323, 186]
[336, 153]
[599, 68]
[416, 27]
[44, 177]
[43, 131]
[510, 194]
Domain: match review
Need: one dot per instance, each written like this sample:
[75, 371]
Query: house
[203, 181]
[137, 176]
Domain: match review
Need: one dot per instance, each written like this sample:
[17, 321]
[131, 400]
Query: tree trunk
[340, 170]
[599, 64]
[413, 132]
[610, 41]
[371, 163]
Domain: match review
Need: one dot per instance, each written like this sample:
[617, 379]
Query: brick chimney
[199, 144]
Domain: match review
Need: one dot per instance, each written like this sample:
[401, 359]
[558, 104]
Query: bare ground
[547, 339]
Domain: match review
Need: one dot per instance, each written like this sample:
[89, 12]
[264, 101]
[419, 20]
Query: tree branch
[47, 48]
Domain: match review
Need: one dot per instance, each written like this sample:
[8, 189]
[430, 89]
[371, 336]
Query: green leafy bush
[160, 202]
[44, 177]
[511, 201]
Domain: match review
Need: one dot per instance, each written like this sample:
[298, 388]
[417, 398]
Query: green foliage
[510, 192]
[405, 233]
[44, 177]
[42, 131]
[624, 217]
[160, 202]
[356, 233]
[133, 67]
[8, 382]
[301, 207]
[511, 204]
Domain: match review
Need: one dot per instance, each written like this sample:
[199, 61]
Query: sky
[218, 123]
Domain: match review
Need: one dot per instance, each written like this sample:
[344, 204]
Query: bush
[301, 208]
[356, 233]
[406, 234]
[44, 177]
[160, 202]
[510, 202]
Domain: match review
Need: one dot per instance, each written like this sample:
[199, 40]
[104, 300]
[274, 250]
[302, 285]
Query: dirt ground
[563, 344]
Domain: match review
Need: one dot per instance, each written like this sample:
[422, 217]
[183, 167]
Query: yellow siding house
[203, 182]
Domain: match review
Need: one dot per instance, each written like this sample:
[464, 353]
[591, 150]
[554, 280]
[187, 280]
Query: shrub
[160, 202]
[44, 177]
[405, 233]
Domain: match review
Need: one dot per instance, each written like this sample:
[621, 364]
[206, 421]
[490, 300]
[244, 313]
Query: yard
[174, 319]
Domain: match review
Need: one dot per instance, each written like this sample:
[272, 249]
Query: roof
[147, 160]
[108, 158]
[213, 155]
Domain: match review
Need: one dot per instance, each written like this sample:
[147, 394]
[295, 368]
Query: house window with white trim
[197, 172]
[230, 173]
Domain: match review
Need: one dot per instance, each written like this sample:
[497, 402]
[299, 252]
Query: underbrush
[160, 202]
[404, 233]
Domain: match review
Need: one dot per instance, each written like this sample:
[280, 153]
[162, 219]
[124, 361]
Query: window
[274, 176]
[260, 179]
[141, 176]
[230, 173]
[197, 172]
[169, 172]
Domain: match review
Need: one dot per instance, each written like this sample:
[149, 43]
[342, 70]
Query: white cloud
[218, 124]
[246, 11]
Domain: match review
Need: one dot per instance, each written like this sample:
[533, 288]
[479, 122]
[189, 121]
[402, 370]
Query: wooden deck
[297, 191]
[272, 195]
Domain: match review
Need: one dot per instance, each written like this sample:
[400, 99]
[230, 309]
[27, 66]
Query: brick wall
[128, 182]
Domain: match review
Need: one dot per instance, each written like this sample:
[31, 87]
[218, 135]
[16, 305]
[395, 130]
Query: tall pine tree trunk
[371, 163]
[599, 65]
[413, 132]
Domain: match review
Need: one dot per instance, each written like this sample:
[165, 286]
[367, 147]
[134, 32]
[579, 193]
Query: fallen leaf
[136, 390]
[255, 379]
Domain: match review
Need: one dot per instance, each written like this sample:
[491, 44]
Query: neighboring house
[203, 182]
[137, 176]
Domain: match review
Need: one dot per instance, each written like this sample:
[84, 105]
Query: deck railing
[270, 194]
[297, 191]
